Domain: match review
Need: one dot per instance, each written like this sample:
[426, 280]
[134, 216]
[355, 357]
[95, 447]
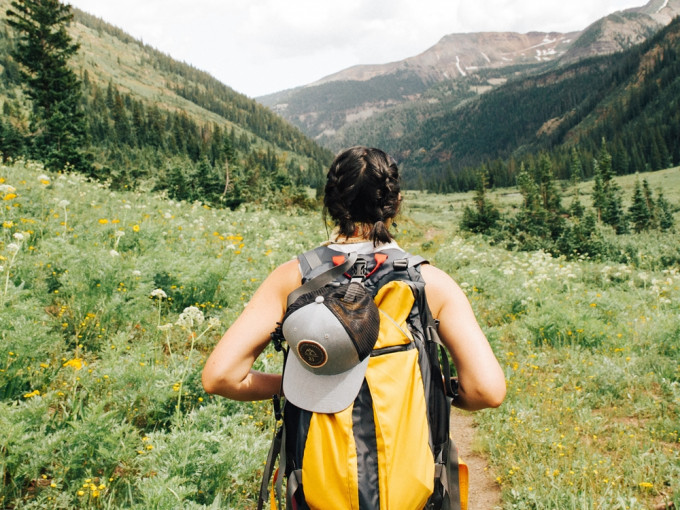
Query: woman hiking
[362, 197]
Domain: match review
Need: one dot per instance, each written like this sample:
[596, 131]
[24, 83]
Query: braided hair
[362, 192]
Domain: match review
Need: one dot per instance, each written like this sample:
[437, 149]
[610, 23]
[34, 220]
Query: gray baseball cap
[330, 333]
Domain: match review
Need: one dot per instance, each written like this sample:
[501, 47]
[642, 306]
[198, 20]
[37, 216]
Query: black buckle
[277, 337]
[400, 265]
[359, 270]
[276, 399]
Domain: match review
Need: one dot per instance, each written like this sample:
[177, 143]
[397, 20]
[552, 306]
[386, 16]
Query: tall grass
[110, 303]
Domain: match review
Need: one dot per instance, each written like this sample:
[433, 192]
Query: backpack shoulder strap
[324, 278]
[399, 265]
[311, 259]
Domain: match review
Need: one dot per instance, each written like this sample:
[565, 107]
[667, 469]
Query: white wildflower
[214, 322]
[167, 216]
[19, 236]
[64, 203]
[44, 179]
[159, 293]
[6, 188]
[136, 272]
[166, 327]
[114, 253]
[190, 317]
[119, 234]
[13, 247]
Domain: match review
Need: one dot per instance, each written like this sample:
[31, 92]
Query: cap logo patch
[312, 353]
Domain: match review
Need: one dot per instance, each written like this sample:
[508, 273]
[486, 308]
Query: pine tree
[485, 215]
[11, 141]
[550, 197]
[612, 213]
[663, 212]
[609, 203]
[120, 120]
[576, 174]
[639, 214]
[529, 190]
[605, 163]
[598, 191]
[649, 201]
[43, 49]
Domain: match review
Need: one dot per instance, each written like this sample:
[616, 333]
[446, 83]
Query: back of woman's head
[362, 193]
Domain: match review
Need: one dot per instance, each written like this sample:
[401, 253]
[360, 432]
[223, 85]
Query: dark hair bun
[362, 190]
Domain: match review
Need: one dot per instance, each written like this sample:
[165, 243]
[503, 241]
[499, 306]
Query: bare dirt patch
[484, 492]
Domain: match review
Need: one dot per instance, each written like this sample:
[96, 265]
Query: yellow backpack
[390, 449]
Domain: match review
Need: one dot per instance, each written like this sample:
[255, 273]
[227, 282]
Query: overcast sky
[263, 46]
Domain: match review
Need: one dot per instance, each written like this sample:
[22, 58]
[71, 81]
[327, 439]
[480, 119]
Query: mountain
[631, 101]
[164, 124]
[457, 67]
[323, 108]
[458, 55]
[623, 29]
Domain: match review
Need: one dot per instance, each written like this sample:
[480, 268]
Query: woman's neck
[349, 240]
[359, 236]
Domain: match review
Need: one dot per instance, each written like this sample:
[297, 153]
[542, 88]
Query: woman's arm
[480, 377]
[228, 370]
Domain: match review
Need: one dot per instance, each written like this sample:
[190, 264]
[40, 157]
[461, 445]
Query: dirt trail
[484, 493]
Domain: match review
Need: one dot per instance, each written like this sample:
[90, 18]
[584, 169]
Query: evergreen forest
[632, 101]
[206, 142]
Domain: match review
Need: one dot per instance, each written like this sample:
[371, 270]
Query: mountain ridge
[482, 60]
[157, 123]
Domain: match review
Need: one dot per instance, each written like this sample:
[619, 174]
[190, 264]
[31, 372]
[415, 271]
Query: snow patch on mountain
[460, 69]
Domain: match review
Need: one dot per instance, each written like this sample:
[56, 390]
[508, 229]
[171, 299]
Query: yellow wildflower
[76, 363]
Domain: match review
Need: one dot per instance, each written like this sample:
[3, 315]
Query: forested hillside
[155, 122]
[383, 101]
[631, 101]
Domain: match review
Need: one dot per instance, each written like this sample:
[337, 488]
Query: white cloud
[262, 46]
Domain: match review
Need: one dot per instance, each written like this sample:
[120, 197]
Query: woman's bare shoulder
[285, 277]
[440, 288]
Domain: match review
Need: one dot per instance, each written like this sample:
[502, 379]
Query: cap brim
[322, 393]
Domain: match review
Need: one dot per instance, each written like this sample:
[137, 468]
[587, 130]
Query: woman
[362, 198]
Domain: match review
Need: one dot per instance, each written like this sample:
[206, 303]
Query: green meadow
[110, 303]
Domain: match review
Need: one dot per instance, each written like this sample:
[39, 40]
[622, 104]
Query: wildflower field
[111, 301]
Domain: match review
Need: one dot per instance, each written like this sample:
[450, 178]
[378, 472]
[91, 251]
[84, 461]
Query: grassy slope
[107, 58]
[137, 69]
[89, 386]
